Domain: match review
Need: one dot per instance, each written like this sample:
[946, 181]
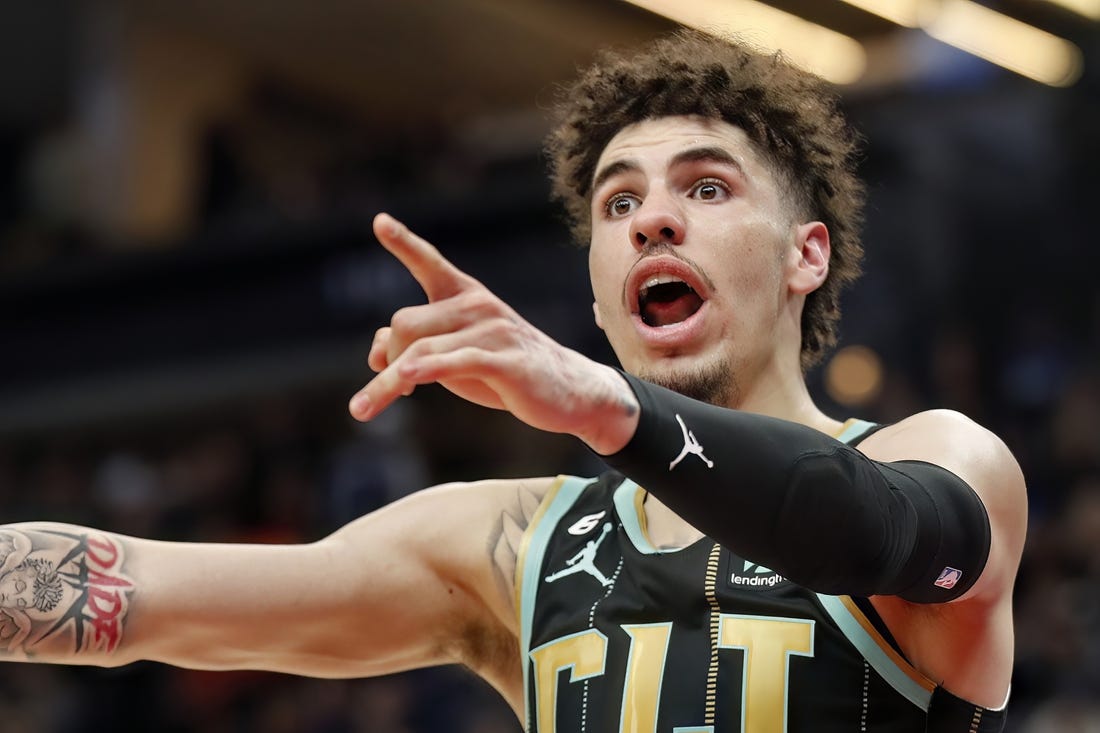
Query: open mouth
[666, 300]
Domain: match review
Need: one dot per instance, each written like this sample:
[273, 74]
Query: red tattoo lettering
[105, 608]
[96, 578]
[106, 546]
[106, 601]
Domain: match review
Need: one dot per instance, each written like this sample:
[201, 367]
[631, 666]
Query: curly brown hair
[790, 115]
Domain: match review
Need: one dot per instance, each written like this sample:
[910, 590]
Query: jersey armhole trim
[532, 549]
[855, 430]
[629, 499]
[906, 679]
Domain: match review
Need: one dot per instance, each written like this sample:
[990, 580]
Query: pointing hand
[478, 347]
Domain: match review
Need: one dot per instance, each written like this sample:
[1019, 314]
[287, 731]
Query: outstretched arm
[421, 582]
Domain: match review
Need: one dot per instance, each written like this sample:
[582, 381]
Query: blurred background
[188, 286]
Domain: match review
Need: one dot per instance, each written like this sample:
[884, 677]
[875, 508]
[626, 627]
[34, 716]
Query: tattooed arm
[60, 588]
[426, 580]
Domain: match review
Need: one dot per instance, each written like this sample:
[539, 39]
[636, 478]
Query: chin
[712, 382]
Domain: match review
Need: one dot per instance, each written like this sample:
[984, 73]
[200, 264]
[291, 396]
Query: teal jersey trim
[853, 431]
[868, 647]
[627, 510]
[894, 675]
[567, 495]
[624, 505]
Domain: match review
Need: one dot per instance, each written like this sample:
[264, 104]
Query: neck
[788, 401]
[777, 388]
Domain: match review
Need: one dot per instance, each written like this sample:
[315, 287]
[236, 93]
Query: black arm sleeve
[795, 500]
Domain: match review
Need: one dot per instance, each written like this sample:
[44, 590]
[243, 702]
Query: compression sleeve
[806, 505]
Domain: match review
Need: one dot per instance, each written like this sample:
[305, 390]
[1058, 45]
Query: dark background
[188, 289]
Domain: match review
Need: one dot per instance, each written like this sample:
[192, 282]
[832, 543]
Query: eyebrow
[707, 154]
[612, 170]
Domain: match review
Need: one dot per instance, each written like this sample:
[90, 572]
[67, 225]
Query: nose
[656, 221]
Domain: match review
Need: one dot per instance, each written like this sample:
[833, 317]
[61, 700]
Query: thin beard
[713, 383]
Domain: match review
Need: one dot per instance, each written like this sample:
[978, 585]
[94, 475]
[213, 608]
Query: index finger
[439, 278]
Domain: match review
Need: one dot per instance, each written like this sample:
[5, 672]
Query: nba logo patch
[948, 578]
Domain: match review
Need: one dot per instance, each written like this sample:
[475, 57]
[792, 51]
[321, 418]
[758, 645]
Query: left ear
[811, 258]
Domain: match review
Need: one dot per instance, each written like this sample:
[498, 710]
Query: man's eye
[708, 191]
[621, 205]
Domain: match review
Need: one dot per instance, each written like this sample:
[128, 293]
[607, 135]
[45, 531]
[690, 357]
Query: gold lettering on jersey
[645, 669]
[584, 654]
[768, 644]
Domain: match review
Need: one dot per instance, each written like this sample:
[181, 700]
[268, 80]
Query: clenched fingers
[378, 358]
[425, 362]
[470, 309]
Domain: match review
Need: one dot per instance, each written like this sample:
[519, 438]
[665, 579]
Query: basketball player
[745, 568]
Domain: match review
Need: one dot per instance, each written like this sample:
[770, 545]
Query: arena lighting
[1005, 41]
[834, 56]
[902, 12]
[1086, 8]
[854, 376]
[990, 35]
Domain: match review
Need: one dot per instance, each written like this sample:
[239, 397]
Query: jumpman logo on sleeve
[585, 561]
[691, 447]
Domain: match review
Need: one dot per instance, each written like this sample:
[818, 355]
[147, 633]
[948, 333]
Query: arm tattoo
[57, 585]
[507, 535]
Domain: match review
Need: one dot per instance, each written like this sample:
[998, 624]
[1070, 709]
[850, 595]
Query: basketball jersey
[618, 635]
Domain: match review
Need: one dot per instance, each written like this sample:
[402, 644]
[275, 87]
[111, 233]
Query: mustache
[668, 249]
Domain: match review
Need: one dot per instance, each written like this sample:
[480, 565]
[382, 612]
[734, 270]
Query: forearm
[794, 499]
[65, 594]
[76, 595]
[612, 416]
[334, 608]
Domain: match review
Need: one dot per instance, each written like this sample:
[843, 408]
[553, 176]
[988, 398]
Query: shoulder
[463, 532]
[962, 446]
[976, 455]
[484, 498]
[490, 519]
[919, 428]
[464, 536]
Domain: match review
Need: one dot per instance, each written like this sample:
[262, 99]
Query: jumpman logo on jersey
[691, 447]
[585, 561]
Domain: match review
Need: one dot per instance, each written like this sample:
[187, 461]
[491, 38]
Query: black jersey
[620, 636]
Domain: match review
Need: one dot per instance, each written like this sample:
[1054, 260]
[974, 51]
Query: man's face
[689, 244]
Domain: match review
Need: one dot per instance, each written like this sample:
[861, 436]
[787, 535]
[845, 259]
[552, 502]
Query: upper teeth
[660, 280]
